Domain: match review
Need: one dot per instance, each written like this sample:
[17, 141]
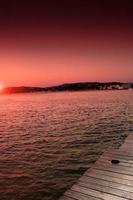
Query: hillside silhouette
[81, 86]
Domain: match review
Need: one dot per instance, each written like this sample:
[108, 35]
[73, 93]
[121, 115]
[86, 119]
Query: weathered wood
[110, 174]
[113, 174]
[95, 193]
[79, 196]
[122, 162]
[119, 153]
[107, 181]
[119, 157]
[66, 198]
[110, 157]
[108, 178]
[120, 169]
[106, 189]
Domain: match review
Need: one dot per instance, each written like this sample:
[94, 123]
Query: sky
[44, 43]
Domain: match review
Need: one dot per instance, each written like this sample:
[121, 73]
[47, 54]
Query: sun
[1, 87]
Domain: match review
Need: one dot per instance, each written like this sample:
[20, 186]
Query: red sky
[47, 49]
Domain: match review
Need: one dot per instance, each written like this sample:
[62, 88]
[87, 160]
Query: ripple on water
[49, 140]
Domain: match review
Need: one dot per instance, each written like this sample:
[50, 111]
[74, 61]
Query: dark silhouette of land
[70, 87]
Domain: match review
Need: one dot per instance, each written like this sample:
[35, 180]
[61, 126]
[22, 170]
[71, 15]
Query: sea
[48, 140]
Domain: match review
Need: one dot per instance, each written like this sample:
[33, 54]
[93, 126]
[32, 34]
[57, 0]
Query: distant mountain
[70, 87]
[131, 85]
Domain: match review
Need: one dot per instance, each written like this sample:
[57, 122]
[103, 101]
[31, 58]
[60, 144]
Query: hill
[70, 87]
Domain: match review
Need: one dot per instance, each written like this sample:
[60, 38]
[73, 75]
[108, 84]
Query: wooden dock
[107, 181]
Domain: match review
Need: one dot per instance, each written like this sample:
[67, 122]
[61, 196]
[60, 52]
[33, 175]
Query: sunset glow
[1, 87]
[66, 90]
[44, 45]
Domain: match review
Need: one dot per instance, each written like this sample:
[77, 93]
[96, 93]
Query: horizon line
[65, 83]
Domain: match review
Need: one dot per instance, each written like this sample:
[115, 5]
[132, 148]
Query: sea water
[47, 140]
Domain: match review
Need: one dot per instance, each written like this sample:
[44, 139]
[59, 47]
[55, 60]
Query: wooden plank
[110, 157]
[119, 153]
[116, 185]
[112, 174]
[127, 146]
[116, 157]
[121, 163]
[109, 163]
[124, 153]
[65, 198]
[106, 181]
[128, 140]
[95, 193]
[106, 189]
[121, 169]
[117, 171]
[79, 196]
[108, 178]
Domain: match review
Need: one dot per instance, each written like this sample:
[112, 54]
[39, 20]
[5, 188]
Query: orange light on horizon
[1, 87]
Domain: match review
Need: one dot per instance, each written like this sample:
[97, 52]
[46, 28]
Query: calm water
[48, 140]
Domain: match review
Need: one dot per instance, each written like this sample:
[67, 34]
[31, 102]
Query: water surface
[48, 140]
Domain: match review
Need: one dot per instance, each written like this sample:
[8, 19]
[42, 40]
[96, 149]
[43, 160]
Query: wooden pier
[106, 180]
